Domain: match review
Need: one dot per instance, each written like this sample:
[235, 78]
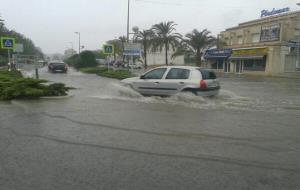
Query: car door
[149, 82]
[174, 81]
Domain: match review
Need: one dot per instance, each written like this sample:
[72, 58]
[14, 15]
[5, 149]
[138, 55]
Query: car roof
[57, 62]
[181, 67]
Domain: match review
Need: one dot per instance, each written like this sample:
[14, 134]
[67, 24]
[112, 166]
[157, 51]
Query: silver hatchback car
[169, 80]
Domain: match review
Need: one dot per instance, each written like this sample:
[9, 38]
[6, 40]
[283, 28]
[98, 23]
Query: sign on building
[270, 33]
[8, 43]
[132, 49]
[274, 11]
[250, 52]
[108, 49]
[217, 53]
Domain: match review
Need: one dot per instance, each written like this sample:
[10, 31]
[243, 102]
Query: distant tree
[145, 37]
[29, 47]
[123, 40]
[85, 59]
[198, 42]
[165, 37]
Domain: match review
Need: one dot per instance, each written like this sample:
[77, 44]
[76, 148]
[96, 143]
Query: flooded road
[107, 136]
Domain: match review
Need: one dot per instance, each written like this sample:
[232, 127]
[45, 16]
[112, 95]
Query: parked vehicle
[169, 80]
[57, 66]
[136, 65]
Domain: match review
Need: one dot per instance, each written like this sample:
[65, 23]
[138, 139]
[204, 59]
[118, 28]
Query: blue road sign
[108, 49]
[7, 43]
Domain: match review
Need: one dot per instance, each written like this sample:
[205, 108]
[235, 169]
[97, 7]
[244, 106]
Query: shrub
[85, 59]
[92, 70]
[72, 60]
[118, 74]
[14, 86]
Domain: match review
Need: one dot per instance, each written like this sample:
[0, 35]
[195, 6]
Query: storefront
[218, 59]
[253, 59]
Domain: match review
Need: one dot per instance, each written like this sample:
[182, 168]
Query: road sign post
[9, 44]
[108, 49]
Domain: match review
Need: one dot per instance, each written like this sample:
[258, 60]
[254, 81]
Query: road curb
[56, 97]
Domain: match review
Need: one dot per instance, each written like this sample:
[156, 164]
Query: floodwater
[107, 136]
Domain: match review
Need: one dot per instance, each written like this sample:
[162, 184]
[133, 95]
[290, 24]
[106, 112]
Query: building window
[255, 38]
[255, 65]
[231, 41]
[240, 39]
[226, 41]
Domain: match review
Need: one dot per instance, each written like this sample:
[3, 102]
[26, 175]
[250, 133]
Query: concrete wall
[158, 58]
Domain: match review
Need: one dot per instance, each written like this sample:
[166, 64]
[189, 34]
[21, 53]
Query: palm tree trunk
[145, 56]
[198, 58]
[166, 51]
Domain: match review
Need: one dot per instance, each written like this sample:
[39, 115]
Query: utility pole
[128, 20]
[78, 42]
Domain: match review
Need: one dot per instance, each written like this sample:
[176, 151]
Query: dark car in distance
[57, 66]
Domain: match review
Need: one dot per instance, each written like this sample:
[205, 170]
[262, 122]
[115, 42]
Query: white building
[159, 58]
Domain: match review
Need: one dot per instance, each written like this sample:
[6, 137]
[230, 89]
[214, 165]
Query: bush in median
[104, 72]
[118, 74]
[14, 86]
[83, 60]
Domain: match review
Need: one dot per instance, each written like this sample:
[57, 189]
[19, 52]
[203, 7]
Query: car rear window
[58, 64]
[207, 74]
[176, 73]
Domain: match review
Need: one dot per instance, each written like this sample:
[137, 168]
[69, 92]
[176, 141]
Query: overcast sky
[51, 23]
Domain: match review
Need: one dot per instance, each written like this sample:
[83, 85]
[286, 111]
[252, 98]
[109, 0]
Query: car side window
[155, 74]
[206, 74]
[177, 73]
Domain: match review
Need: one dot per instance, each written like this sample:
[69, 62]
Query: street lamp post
[72, 47]
[78, 41]
[128, 20]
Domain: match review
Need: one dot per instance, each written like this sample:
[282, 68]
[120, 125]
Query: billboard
[132, 49]
[270, 33]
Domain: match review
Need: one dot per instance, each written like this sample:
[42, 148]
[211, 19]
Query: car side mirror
[142, 77]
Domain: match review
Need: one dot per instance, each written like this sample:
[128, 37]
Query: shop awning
[217, 54]
[247, 57]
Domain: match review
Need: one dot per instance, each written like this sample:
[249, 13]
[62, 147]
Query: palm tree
[199, 42]
[123, 40]
[165, 37]
[145, 37]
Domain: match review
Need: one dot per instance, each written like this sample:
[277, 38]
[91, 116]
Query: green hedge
[118, 74]
[14, 86]
[84, 59]
[104, 72]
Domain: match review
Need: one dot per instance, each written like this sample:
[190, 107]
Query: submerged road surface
[107, 136]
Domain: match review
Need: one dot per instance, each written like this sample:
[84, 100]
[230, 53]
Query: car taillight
[203, 84]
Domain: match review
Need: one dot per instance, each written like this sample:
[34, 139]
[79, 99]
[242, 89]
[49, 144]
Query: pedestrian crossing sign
[8, 43]
[108, 49]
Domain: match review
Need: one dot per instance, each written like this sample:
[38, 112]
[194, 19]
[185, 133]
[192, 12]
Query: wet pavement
[106, 136]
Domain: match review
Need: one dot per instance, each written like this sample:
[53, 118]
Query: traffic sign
[108, 49]
[19, 48]
[8, 43]
[132, 49]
